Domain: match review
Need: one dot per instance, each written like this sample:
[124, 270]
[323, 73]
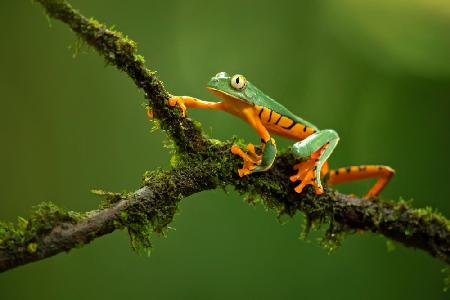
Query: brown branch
[163, 190]
[416, 228]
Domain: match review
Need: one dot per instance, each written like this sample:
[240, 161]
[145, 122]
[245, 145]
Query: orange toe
[250, 161]
[294, 177]
[306, 175]
[298, 188]
[243, 172]
[173, 101]
[235, 149]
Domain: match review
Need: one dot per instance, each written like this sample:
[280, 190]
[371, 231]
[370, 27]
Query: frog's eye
[238, 82]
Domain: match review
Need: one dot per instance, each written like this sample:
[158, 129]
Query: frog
[312, 147]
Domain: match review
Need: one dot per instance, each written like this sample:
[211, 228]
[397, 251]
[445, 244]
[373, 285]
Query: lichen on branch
[199, 164]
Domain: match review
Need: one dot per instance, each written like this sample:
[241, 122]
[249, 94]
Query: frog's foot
[306, 174]
[251, 159]
[177, 100]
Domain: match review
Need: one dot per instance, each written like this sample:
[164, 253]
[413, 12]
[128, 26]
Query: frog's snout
[221, 75]
[213, 83]
[219, 80]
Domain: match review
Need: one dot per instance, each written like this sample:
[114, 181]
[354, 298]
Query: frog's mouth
[224, 95]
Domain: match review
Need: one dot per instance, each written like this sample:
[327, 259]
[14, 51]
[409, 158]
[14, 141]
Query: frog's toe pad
[244, 171]
[247, 168]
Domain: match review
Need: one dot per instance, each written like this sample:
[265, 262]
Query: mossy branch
[200, 164]
[151, 208]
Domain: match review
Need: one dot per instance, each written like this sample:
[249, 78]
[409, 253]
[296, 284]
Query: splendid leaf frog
[268, 117]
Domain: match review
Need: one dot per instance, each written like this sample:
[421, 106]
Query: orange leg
[185, 101]
[383, 173]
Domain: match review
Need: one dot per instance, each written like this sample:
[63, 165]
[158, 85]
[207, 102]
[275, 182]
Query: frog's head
[236, 86]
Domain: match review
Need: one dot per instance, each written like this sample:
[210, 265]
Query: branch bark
[201, 164]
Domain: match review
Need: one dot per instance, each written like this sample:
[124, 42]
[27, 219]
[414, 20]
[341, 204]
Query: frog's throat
[224, 95]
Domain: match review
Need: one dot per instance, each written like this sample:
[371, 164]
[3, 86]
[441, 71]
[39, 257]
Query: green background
[378, 72]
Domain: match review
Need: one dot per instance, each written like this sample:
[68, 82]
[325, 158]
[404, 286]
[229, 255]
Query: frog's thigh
[314, 142]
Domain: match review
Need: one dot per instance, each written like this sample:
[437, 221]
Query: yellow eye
[238, 82]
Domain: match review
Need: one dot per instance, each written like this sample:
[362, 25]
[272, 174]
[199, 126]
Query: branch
[152, 207]
[200, 164]
[51, 230]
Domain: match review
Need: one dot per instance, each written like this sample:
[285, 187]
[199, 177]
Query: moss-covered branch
[51, 230]
[150, 209]
[200, 164]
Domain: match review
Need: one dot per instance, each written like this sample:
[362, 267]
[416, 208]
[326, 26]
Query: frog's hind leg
[314, 150]
[383, 173]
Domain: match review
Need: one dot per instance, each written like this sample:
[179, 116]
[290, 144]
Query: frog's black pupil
[237, 80]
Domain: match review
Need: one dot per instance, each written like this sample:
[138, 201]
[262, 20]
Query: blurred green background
[378, 72]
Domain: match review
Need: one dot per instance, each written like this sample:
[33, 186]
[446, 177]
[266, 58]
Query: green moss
[32, 247]
[446, 272]
[252, 198]
[139, 229]
[142, 218]
[77, 47]
[306, 228]
[175, 160]
[110, 197]
[26, 232]
[142, 223]
[139, 58]
[390, 246]
[154, 176]
[331, 242]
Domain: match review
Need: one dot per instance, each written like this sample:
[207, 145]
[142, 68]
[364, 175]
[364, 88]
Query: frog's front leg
[314, 150]
[252, 161]
[184, 102]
